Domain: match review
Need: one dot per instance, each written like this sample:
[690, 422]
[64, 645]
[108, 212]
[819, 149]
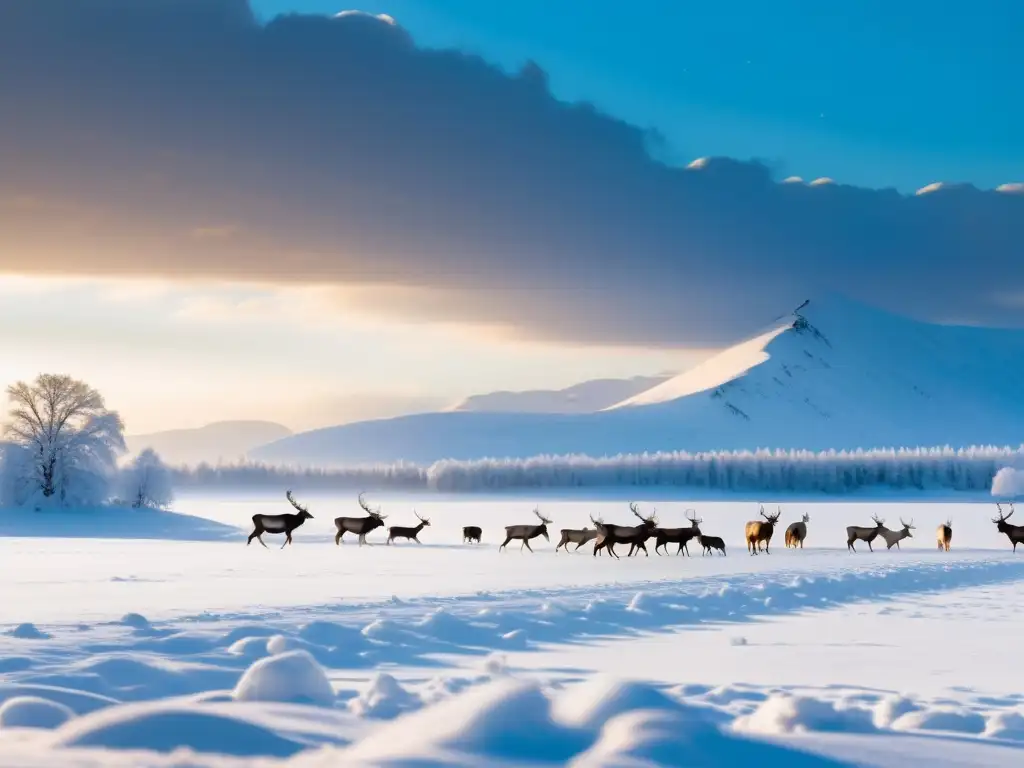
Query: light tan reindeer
[797, 532]
[757, 531]
[944, 535]
[893, 538]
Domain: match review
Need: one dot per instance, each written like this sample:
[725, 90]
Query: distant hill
[587, 397]
[225, 441]
[834, 374]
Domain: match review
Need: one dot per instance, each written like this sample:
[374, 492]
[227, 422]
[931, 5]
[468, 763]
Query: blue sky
[873, 92]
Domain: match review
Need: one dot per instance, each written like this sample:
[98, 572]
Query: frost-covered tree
[69, 441]
[146, 481]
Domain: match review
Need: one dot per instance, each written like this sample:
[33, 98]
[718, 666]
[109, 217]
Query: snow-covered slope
[227, 440]
[836, 375]
[586, 397]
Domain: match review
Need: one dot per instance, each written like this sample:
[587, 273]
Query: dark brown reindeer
[577, 537]
[405, 532]
[944, 535]
[634, 535]
[895, 537]
[859, 533]
[756, 532]
[359, 525]
[797, 532]
[526, 532]
[680, 536]
[279, 523]
[1015, 533]
[711, 543]
[472, 533]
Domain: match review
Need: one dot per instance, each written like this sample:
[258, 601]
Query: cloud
[185, 139]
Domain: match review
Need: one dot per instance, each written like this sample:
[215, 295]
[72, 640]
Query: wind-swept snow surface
[835, 375]
[218, 655]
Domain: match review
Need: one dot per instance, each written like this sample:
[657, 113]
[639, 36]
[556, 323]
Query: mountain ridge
[834, 374]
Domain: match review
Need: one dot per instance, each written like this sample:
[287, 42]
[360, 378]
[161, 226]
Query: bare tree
[67, 431]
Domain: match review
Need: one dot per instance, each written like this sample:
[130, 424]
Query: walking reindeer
[710, 544]
[405, 532]
[279, 523]
[797, 532]
[360, 526]
[472, 533]
[944, 535]
[634, 535]
[1015, 533]
[527, 532]
[856, 533]
[577, 537]
[893, 538]
[757, 531]
[680, 536]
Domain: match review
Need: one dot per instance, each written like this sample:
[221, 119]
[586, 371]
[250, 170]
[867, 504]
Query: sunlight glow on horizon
[172, 354]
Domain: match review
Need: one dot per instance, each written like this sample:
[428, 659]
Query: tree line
[64, 447]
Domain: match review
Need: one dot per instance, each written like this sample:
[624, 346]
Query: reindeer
[577, 537]
[710, 543]
[895, 537]
[858, 533]
[472, 533]
[279, 523]
[944, 535]
[359, 525]
[756, 532]
[797, 532]
[634, 535]
[527, 532]
[1015, 533]
[680, 536]
[400, 532]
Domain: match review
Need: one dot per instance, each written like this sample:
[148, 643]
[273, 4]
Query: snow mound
[135, 621]
[660, 738]
[332, 635]
[291, 677]
[784, 714]
[589, 704]
[166, 728]
[946, 719]
[249, 647]
[385, 699]
[27, 632]
[503, 720]
[33, 712]
[890, 709]
[1005, 725]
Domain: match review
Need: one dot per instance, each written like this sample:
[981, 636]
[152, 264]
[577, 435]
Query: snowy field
[142, 639]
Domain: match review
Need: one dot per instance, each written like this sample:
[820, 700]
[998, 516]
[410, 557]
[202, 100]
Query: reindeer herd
[606, 536]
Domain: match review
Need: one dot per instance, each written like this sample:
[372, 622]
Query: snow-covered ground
[198, 650]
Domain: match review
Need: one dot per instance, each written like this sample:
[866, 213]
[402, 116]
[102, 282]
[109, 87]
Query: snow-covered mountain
[586, 397]
[836, 374]
[222, 440]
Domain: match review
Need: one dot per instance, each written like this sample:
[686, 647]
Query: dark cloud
[181, 137]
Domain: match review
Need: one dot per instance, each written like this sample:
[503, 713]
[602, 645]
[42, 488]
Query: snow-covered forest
[833, 472]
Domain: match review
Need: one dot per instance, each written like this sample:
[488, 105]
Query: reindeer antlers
[371, 512]
[693, 517]
[907, 525]
[294, 503]
[879, 522]
[636, 511]
[543, 519]
[1002, 517]
[422, 519]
